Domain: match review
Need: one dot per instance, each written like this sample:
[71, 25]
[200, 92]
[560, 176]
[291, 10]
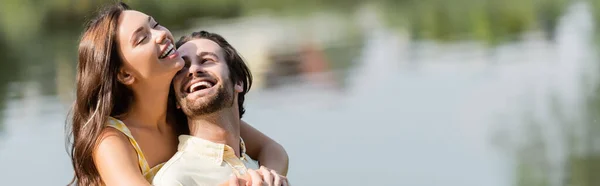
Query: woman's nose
[161, 37]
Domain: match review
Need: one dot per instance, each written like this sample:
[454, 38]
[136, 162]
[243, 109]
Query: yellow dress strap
[119, 125]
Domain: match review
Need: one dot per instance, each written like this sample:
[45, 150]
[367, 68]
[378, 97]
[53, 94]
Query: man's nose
[195, 70]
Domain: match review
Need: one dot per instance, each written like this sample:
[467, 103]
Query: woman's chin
[179, 64]
[174, 64]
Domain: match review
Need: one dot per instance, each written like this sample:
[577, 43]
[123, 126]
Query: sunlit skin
[141, 40]
[141, 43]
[208, 96]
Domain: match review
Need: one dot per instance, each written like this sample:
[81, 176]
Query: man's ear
[125, 77]
[239, 87]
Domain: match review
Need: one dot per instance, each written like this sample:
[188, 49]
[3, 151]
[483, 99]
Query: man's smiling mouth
[199, 84]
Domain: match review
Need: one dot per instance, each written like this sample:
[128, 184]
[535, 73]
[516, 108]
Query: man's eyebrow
[131, 40]
[202, 54]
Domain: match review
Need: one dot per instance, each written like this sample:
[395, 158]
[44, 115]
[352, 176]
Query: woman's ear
[125, 77]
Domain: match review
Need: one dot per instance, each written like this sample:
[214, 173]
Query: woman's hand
[261, 177]
[266, 177]
[234, 181]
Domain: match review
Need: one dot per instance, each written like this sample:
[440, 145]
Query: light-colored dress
[144, 167]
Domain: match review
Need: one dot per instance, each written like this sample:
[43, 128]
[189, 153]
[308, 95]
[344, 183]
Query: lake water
[407, 113]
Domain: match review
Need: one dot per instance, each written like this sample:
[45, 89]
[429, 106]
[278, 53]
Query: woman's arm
[264, 149]
[116, 160]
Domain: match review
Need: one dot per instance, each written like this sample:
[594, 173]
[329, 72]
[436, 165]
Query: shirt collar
[207, 148]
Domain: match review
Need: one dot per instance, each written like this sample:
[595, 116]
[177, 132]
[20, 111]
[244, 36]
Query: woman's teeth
[170, 50]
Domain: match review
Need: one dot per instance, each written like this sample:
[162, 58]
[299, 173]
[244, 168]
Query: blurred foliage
[584, 166]
[6, 76]
[579, 132]
[487, 20]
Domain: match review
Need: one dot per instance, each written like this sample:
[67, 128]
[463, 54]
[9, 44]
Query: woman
[120, 129]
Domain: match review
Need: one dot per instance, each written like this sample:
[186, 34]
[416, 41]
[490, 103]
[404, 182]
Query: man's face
[203, 86]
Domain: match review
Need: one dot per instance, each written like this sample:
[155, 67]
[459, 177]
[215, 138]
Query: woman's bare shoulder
[116, 159]
[113, 143]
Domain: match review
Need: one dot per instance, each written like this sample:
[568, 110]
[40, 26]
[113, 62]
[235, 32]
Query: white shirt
[202, 162]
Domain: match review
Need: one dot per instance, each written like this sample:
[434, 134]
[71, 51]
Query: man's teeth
[200, 85]
[168, 51]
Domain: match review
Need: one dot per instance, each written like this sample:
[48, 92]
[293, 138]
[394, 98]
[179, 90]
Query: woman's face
[147, 49]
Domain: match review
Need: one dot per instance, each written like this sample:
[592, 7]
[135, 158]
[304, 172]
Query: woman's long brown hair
[99, 93]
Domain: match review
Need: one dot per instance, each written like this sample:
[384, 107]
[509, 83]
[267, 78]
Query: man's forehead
[197, 46]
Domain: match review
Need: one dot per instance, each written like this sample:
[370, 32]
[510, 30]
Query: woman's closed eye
[143, 37]
[141, 40]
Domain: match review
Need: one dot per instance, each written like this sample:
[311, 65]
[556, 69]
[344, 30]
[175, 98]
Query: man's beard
[211, 103]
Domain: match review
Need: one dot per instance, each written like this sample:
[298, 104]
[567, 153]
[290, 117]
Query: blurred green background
[378, 92]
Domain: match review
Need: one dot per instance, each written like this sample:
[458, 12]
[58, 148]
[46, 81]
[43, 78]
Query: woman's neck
[149, 107]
